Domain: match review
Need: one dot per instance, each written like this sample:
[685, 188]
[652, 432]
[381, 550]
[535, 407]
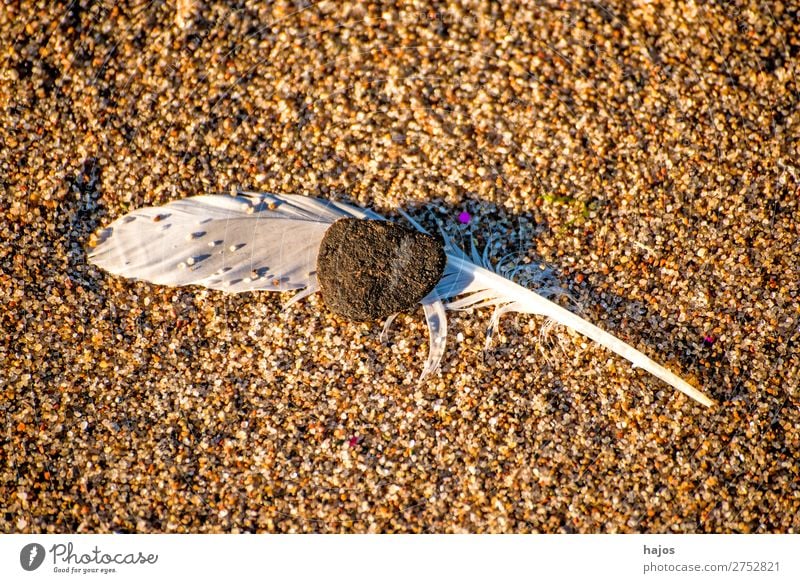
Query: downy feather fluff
[257, 241]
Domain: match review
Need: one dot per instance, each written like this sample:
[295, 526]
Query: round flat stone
[369, 270]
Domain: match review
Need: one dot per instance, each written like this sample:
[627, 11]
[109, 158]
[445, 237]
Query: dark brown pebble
[369, 270]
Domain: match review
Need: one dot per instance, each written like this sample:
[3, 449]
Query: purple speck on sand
[709, 340]
[464, 218]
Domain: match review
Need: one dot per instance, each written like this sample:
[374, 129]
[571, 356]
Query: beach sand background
[646, 151]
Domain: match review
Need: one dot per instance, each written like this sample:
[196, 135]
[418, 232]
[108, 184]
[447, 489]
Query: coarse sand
[647, 152]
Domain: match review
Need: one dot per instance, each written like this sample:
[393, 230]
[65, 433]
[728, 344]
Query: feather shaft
[477, 279]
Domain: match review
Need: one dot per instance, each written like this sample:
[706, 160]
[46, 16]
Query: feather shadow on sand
[270, 242]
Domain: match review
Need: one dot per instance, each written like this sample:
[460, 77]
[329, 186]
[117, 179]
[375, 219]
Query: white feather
[256, 241]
